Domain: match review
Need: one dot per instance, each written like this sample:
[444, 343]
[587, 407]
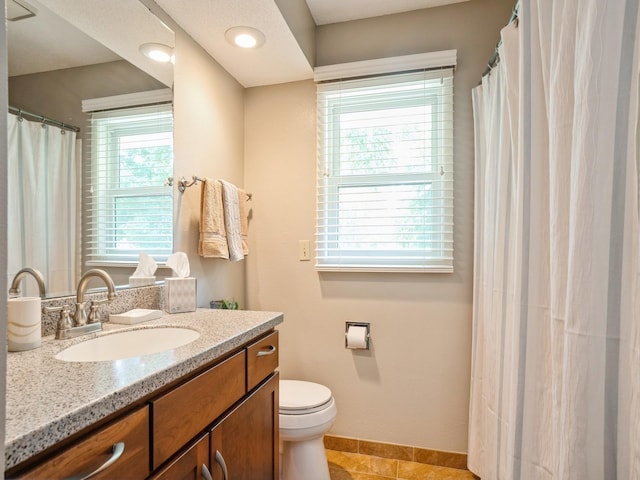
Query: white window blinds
[128, 209]
[385, 173]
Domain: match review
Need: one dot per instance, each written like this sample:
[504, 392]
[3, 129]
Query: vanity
[208, 409]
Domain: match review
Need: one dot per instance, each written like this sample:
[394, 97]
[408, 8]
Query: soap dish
[137, 315]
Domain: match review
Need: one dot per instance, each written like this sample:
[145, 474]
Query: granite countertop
[49, 400]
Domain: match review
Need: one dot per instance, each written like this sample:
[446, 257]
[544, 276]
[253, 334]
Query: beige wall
[413, 386]
[208, 142]
[208, 139]
[58, 94]
[300, 21]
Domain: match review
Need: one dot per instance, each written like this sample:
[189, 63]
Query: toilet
[307, 412]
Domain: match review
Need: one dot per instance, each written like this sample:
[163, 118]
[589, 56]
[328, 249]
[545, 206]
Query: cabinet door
[184, 412]
[245, 442]
[189, 465]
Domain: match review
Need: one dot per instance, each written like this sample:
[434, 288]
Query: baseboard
[398, 452]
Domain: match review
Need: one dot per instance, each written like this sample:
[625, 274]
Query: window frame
[332, 104]
[109, 127]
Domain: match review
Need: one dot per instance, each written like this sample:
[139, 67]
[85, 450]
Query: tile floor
[355, 466]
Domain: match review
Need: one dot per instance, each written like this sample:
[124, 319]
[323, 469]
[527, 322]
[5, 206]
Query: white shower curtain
[555, 388]
[42, 205]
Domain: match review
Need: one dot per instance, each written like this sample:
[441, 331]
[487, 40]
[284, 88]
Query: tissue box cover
[180, 295]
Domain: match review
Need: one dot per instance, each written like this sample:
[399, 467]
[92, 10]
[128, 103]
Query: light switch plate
[303, 250]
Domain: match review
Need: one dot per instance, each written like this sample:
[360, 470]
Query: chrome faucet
[80, 317]
[14, 291]
[80, 326]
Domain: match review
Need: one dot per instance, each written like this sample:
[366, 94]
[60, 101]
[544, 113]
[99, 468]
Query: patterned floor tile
[354, 466]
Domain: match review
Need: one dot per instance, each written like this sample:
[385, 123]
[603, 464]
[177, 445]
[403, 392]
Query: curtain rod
[21, 113]
[495, 56]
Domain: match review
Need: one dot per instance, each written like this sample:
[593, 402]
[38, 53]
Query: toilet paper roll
[357, 337]
[24, 330]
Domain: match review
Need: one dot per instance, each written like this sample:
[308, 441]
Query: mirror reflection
[53, 66]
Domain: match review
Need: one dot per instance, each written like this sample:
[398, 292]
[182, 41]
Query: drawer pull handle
[220, 460]
[118, 450]
[206, 473]
[270, 350]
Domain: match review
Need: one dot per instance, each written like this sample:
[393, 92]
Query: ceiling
[335, 11]
[47, 42]
[85, 32]
[279, 60]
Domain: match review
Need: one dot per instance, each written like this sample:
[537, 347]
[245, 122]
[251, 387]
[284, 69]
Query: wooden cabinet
[225, 414]
[245, 442]
[188, 465]
[129, 434]
[182, 413]
[241, 446]
[262, 359]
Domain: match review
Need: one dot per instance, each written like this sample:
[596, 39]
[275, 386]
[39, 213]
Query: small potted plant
[225, 304]
[230, 304]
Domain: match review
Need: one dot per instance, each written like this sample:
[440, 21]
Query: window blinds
[385, 173]
[128, 209]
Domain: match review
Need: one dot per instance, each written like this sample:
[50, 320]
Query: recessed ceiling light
[245, 37]
[157, 51]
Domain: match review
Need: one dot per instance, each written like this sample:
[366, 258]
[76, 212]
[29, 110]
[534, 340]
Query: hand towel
[231, 209]
[244, 220]
[213, 237]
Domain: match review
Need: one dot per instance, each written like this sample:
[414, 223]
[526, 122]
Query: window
[385, 173]
[128, 209]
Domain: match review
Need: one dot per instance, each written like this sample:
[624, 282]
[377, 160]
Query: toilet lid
[299, 395]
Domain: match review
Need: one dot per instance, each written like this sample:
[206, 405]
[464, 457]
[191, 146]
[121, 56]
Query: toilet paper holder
[348, 325]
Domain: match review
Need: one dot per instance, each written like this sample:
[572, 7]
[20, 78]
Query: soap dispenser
[24, 321]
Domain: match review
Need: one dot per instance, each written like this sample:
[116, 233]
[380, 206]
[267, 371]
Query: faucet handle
[94, 314]
[64, 323]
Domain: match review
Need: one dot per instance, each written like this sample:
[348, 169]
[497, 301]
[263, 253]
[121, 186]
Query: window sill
[117, 264]
[382, 269]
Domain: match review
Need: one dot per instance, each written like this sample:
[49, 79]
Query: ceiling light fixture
[157, 51]
[245, 37]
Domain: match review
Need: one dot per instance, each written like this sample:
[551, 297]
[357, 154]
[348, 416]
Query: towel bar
[183, 184]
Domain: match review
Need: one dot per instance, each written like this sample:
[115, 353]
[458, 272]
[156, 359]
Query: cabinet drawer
[90, 453]
[262, 359]
[181, 414]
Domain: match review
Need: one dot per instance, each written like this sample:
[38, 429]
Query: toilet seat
[301, 398]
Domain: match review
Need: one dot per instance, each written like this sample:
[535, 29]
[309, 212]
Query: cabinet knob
[223, 466]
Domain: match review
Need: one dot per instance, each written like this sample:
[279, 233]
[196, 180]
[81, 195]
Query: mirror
[68, 51]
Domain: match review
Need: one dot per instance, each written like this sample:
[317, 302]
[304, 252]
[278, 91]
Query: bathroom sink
[128, 343]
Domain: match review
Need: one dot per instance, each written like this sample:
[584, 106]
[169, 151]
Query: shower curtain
[555, 388]
[42, 203]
